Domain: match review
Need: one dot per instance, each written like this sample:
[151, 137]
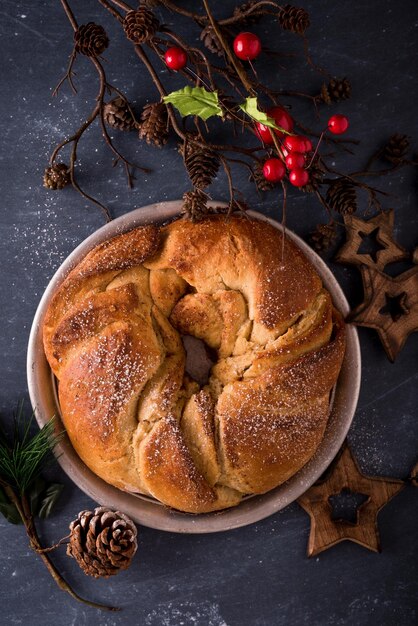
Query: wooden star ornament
[345, 475]
[378, 232]
[390, 306]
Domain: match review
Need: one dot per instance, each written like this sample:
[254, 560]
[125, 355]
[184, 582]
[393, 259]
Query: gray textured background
[258, 575]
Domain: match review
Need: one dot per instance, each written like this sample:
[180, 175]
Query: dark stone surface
[258, 575]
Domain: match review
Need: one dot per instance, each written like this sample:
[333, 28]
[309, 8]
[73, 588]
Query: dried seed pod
[150, 4]
[323, 237]
[316, 175]
[117, 114]
[154, 124]
[396, 148]
[90, 39]
[103, 542]
[201, 165]
[211, 41]
[336, 90]
[195, 205]
[294, 19]
[56, 176]
[244, 14]
[140, 25]
[341, 196]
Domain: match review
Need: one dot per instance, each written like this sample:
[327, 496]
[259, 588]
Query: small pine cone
[117, 114]
[323, 237]
[261, 182]
[294, 19]
[336, 90]
[102, 542]
[195, 205]
[252, 18]
[211, 41]
[57, 176]
[154, 124]
[341, 196]
[201, 165]
[140, 25]
[91, 39]
[396, 148]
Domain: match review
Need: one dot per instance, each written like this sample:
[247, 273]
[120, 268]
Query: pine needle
[22, 459]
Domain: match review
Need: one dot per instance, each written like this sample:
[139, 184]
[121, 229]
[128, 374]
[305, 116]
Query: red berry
[247, 46]
[298, 177]
[274, 170]
[298, 143]
[338, 124]
[175, 58]
[281, 118]
[295, 159]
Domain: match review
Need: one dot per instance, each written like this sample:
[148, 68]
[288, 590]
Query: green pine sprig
[24, 457]
[24, 493]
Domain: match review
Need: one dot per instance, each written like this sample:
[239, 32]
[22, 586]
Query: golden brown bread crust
[112, 335]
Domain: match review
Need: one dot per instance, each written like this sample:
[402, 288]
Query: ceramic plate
[146, 510]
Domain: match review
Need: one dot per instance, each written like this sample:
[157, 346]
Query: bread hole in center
[199, 359]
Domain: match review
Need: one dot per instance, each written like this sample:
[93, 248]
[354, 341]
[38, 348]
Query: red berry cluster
[294, 148]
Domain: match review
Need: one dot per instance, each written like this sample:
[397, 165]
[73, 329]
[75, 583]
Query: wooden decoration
[345, 474]
[379, 228]
[415, 255]
[390, 306]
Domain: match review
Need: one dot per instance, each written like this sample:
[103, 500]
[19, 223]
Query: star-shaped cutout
[390, 306]
[345, 474]
[378, 231]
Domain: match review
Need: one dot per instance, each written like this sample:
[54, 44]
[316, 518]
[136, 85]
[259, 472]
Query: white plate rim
[150, 513]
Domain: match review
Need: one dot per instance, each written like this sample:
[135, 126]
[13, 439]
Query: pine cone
[261, 182]
[294, 19]
[201, 165]
[140, 25]
[154, 124]
[195, 205]
[336, 90]
[117, 114]
[57, 176]
[396, 148]
[211, 41]
[323, 237]
[341, 196]
[91, 39]
[102, 542]
[241, 10]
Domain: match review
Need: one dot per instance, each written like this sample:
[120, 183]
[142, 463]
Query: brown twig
[232, 59]
[22, 505]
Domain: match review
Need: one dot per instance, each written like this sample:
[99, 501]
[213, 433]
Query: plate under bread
[146, 510]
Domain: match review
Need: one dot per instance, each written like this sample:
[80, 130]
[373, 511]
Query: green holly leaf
[49, 499]
[250, 107]
[195, 101]
[8, 509]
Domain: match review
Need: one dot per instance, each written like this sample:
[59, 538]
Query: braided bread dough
[112, 336]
